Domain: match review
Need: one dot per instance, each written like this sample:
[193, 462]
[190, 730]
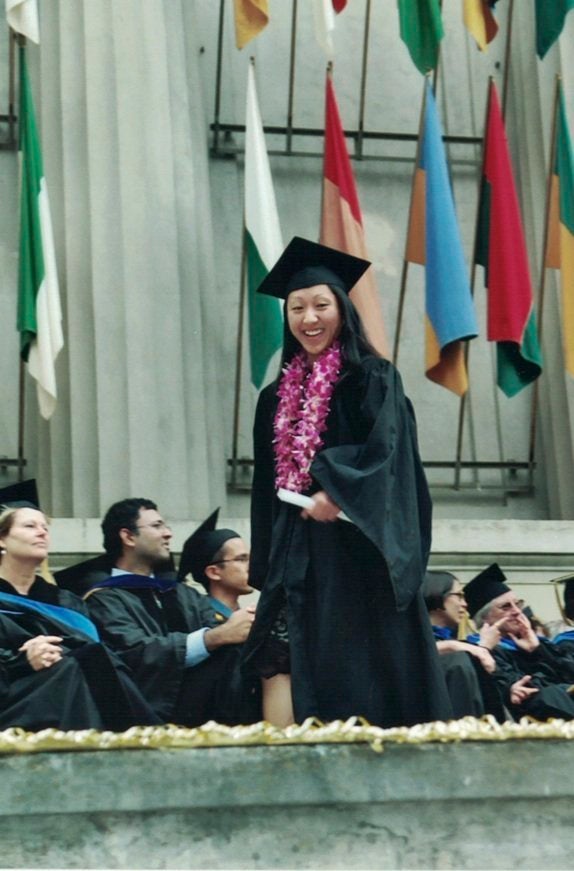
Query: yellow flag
[251, 16]
[480, 22]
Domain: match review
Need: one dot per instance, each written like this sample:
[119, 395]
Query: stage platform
[456, 796]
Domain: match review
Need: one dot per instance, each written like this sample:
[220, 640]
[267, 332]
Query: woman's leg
[277, 701]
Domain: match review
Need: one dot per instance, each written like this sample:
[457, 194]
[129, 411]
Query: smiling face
[314, 318]
[27, 538]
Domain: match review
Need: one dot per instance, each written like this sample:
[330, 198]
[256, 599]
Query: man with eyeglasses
[536, 676]
[184, 663]
[218, 560]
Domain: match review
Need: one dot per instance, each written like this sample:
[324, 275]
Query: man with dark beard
[163, 629]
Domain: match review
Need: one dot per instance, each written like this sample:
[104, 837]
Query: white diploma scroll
[303, 501]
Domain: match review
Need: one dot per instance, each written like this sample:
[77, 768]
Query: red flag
[501, 249]
[341, 220]
[339, 5]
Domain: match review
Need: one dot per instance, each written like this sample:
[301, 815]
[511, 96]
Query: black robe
[551, 667]
[359, 634]
[148, 629]
[88, 688]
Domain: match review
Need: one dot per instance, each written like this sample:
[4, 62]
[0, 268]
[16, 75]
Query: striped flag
[560, 248]
[501, 249]
[550, 17]
[421, 31]
[263, 242]
[434, 240]
[480, 21]
[22, 17]
[39, 312]
[342, 223]
[251, 17]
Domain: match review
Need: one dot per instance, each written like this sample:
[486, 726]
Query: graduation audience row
[505, 667]
[143, 647]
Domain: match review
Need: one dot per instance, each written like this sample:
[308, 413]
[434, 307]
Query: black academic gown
[551, 667]
[359, 634]
[148, 629]
[88, 688]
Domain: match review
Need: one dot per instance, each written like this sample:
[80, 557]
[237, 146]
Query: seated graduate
[218, 560]
[562, 631]
[54, 672]
[163, 629]
[535, 675]
[467, 667]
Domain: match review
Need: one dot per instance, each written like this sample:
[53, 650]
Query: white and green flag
[263, 243]
[39, 311]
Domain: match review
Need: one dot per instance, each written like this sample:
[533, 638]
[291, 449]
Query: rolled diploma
[303, 501]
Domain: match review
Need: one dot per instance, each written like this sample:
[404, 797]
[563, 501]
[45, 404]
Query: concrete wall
[444, 806]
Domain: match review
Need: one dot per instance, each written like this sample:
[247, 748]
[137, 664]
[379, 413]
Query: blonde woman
[54, 672]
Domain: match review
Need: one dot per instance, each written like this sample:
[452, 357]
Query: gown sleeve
[380, 483]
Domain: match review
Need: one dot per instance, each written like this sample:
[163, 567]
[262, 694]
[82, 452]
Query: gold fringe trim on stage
[352, 731]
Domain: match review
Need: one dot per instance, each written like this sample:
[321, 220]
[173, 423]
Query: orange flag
[342, 224]
[251, 16]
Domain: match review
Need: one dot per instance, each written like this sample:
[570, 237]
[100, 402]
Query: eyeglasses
[158, 524]
[242, 558]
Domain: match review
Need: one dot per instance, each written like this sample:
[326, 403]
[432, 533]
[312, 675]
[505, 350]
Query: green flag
[421, 31]
[39, 312]
[550, 15]
[263, 243]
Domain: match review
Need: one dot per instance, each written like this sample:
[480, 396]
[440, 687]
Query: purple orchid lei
[301, 416]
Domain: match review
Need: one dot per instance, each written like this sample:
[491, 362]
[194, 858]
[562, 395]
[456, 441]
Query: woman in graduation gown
[53, 670]
[341, 628]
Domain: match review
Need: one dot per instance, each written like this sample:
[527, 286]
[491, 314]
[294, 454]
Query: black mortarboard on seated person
[24, 494]
[201, 546]
[486, 586]
[81, 576]
[305, 264]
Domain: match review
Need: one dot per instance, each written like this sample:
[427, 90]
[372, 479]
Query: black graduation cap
[486, 586]
[81, 576]
[21, 495]
[201, 546]
[305, 264]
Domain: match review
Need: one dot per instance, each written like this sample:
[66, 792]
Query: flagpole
[359, 140]
[239, 359]
[405, 270]
[217, 107]
[462, 406]
[11, 86]
[291, 96]
[21, 418]
[542, 281]
[507, 49]
[20, 40]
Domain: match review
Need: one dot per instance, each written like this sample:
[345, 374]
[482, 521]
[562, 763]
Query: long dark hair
[354, 343]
